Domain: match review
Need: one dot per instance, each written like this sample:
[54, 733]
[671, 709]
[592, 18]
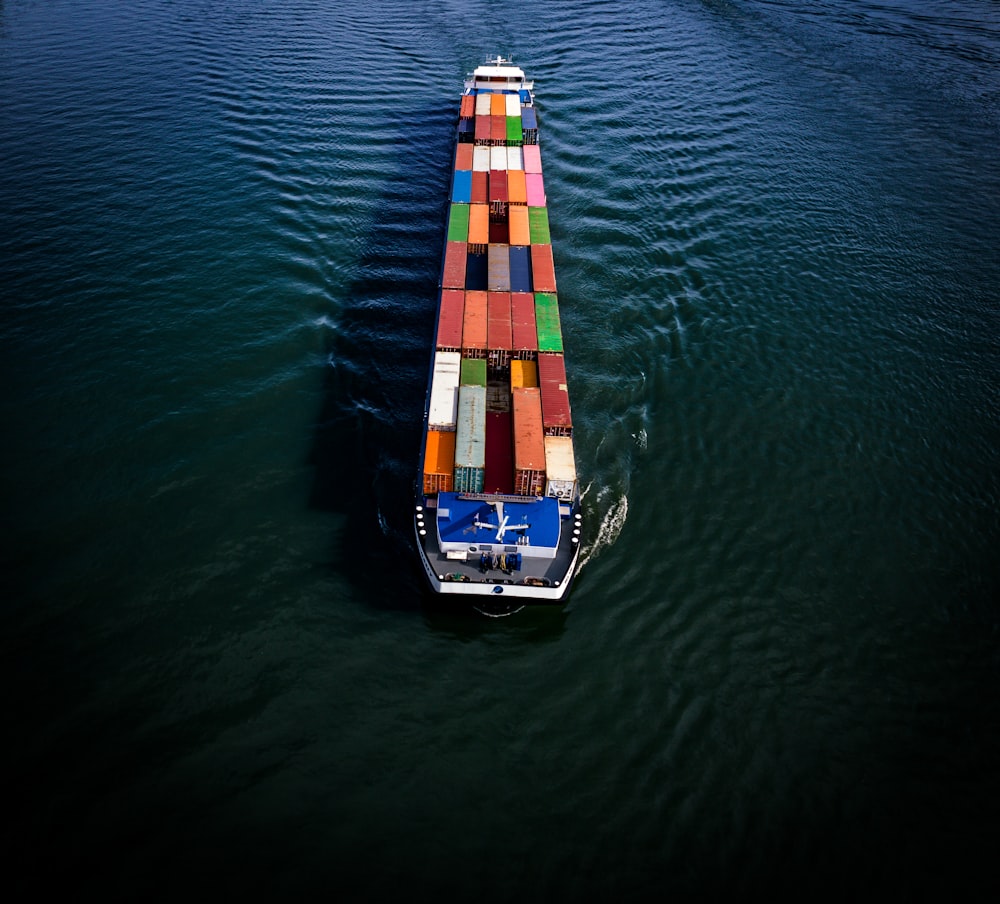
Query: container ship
[497, 514]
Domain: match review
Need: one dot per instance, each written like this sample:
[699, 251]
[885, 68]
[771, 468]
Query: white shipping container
[498, 158]
[515, 160]
[443, 413]
[560, 467]
[481, 159]
[483, 104]
[513, 104]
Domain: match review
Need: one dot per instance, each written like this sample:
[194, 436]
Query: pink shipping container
[535, 188]
[532, 158]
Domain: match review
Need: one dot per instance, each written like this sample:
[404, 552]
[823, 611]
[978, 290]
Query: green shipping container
[547, 322]
[514, 132]
[473, 372]
[458, 223]
[538, 224]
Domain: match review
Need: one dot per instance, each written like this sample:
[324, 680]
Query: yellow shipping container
[523, 374]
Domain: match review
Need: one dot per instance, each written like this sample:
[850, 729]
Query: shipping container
[498, 130]
[463, 157]
[499, 234]
[513, 135]
[535, 188]
[512, 105]
[528, 118]
[543, 273]
[454, 265]
[547, 322]
[475, 271]
[498, 331]
[538, 217]
[560, 467]
[480, 184]
[470, 439]
[466, 131]
[474, 323]
[520, 269]
[522, 321]
[498, 159]
[517, 192]
[439, 461]
[556, 417]
[443, 409]
[498, 185]
[467, 108]
[458, 223]
[483, 104]
[469, 480]
[529, 442]
[461, 186]
[451, 312]
[498, 268]
[481, 159]
[532, 158]
[473, 372]
[484, 130]
[498, 105]
[520, 231]
[523, 374]
[479, 222]
[515, 161]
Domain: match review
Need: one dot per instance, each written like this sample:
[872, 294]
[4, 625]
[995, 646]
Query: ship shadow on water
[366, 437]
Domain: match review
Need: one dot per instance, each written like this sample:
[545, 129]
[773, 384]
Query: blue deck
[463, 521]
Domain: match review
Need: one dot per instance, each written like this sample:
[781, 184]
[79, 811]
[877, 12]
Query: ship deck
[538, 580]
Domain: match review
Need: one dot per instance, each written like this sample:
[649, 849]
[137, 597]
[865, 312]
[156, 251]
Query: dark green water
[776, 230]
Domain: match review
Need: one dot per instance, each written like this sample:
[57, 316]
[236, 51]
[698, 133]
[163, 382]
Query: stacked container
[499, 338]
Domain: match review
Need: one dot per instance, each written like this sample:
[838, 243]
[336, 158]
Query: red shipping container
[498, 185]
[455, 255]
[555, 393]
[522, 320]
[498, 129]
[543, 270]
[480, 187]
[482, 129]
[450, 314]
[498, 331]
[468, 107]
[463, 157]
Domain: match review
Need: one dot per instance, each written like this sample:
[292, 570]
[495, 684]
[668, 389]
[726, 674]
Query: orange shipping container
[475, 323]
[529, 442]
[498, 105]
[479, 224]
[520, 234]
[517, 191]
[523, 374]
[439, 461]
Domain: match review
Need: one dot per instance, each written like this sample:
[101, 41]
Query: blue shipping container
[461, 189]
[520, 268]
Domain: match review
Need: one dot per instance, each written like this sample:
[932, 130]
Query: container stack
[499, 362]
